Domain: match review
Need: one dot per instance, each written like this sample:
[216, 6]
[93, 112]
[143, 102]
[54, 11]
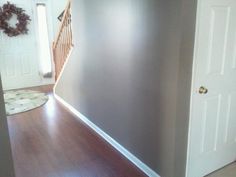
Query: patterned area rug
[23, 100]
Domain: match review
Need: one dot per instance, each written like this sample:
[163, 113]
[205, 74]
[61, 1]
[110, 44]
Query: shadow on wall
[6, 163]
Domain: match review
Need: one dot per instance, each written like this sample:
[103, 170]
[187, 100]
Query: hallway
[51, 142]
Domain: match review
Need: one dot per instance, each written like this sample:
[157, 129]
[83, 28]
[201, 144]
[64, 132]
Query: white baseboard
[147, 170]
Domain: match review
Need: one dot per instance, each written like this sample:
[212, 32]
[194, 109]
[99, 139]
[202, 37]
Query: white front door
[18, 55]
[212, 135]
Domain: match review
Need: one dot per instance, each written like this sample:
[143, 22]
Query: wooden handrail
[63, 42]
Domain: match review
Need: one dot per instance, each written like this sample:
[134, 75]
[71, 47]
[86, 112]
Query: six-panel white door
[212, 135]
[19, 62]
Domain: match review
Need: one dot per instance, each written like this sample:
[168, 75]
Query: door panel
[219, 24]
[212, 137]
[231, 120]
[210, 122]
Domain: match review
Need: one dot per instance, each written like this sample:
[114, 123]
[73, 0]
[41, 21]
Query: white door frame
[192, 86]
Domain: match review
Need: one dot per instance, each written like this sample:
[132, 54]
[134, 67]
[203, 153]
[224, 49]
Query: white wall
[57, 7]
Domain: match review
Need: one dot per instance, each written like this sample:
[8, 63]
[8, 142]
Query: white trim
[42, 82]
[193, 87]
[147, 170]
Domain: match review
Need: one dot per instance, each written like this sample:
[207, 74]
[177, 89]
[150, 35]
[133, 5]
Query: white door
[18, 55]
[212, 137]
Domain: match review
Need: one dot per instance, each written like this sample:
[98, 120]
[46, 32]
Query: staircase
[63, 42]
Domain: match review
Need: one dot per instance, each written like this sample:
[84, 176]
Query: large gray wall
[6, 163]
[129, 72]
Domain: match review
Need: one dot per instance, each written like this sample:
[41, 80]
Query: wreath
[6, 13]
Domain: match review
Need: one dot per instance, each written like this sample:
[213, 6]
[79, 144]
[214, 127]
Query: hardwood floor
[50, 142]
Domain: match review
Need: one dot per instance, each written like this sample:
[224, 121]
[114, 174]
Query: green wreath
[6, 13]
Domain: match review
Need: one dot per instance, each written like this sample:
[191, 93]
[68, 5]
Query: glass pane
[44, 46]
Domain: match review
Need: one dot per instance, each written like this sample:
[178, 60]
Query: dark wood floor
[51, 142]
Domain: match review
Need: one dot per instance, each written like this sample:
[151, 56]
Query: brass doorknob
[203, 90]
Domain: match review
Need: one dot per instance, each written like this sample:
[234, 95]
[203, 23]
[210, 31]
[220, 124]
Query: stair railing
[63, 43]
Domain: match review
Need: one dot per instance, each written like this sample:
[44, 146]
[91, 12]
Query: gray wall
[130, 70]
[6, 163]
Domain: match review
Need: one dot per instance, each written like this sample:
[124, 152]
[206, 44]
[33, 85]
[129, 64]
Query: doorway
[20, 60]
